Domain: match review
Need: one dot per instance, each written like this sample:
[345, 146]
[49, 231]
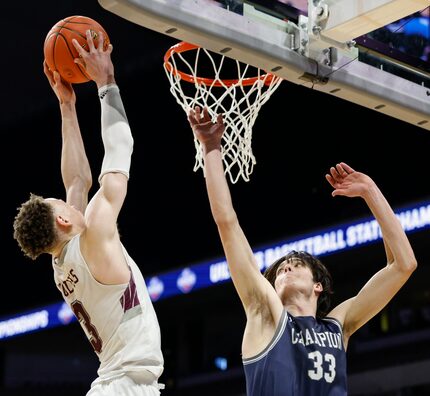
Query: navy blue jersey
[306, 357]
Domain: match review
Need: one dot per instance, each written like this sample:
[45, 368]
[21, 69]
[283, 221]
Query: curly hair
[34, 227]
[319, 273]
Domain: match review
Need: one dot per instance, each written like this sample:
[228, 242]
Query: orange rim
[184, 47]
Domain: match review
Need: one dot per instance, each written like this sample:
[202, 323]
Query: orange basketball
[60, 52]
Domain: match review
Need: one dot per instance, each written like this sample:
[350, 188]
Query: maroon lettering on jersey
[130, 299]
[67, 287]
[85, 321]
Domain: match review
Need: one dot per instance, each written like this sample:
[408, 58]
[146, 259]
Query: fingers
[81, 51]
[80, 62]
[347, 168]
[192, 117]
[101, 41]
[45, 66]
[206, 116]
[57, 77]
[344, 169]
[54, 77]
[335, 175]
[342, 172]
[197, 112]
[330, 179]
[338, 192]
[91, 46]
[333, 183]
[338, 179]
[90, 41]
[196, 117]
[48, 73]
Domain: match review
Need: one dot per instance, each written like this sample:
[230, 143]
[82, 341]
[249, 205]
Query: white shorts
[124, 386]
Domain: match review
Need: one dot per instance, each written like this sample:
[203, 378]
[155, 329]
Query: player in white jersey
[97, 278]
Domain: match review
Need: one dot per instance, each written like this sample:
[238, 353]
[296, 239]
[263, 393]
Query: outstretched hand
[96, 62]
[206, 131]
[63, 90]
[347, 182]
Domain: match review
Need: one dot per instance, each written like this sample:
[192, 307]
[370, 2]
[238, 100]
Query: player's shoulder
[329, 320]
[339, 312]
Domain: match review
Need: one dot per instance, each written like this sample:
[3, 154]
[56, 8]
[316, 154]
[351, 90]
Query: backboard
[277, 36]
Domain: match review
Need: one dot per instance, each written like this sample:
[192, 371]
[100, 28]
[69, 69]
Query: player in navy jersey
[293, 345]
[97, 278]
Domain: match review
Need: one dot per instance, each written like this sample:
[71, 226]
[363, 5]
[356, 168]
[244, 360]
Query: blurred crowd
[410, 35]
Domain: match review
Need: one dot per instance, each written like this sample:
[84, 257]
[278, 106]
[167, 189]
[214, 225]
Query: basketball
[60, 52]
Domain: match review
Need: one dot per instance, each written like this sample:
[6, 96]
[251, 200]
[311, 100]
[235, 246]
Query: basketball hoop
[239, 100]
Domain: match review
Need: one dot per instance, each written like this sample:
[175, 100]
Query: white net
[239, 100]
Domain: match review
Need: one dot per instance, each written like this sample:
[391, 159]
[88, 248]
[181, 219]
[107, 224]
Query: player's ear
[318, 287]
[62, 221]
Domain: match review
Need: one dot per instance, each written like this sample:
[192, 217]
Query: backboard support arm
[277, 50]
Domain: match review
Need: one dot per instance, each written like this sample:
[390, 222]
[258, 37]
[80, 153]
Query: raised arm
[401, 262]
[253, 289]
[75, 169]
[116, 133]
[101, 243]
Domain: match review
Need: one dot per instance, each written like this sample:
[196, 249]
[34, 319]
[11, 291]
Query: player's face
[293, 275]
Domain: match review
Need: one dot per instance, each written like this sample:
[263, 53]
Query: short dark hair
[319, 273]
[34, 227]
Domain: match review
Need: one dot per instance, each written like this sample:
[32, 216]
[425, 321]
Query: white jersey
[119, 320]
